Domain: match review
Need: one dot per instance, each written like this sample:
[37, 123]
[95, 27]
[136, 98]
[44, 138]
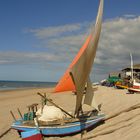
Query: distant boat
[75, 79]
[134, 86]
[121, 84]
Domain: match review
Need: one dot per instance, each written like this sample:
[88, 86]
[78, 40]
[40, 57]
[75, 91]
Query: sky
[40, 38]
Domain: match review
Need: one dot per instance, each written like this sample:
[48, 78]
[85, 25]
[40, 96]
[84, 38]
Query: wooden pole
[13, 116]
[45, 102]
[76, 113]
[5, 132]
[56, 105]
[42, 104]
[20, 113]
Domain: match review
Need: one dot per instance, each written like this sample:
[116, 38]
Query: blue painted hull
[66, 129]
[31, 135]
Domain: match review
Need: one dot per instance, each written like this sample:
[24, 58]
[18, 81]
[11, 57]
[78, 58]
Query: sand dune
[122, 112]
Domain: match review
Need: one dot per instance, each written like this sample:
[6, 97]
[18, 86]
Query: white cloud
[28, 57]
[47, 32]
[129, 16]
[119, 37]
[4, 62]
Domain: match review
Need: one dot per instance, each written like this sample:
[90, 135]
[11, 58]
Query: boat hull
[31, 135]
[133, 90]
[61, 130]
[121, 87]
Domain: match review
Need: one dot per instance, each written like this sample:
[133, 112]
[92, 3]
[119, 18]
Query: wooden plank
[13, 115]
[20, 113]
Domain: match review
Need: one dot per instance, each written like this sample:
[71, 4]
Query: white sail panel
[82, 68]
[89, 96]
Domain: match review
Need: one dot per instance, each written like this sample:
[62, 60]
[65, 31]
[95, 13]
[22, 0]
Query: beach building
[136, 72]
[115, 74]
[126, 72]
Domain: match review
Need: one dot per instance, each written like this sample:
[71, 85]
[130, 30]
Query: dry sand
[121, 109]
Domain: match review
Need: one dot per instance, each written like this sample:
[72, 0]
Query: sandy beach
[122, 112]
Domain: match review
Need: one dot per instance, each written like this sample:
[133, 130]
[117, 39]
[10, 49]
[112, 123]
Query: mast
[132, 77]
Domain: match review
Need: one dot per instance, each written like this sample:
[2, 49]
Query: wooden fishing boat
[120, 85]
[134, 85]
[68, 127]
[134, 88]
[76, 78]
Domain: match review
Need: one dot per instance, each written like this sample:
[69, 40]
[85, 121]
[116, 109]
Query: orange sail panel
[66, 83]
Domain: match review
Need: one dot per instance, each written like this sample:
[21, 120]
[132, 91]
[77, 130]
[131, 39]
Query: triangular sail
[66, 83]
[89, 100]
[82, 67]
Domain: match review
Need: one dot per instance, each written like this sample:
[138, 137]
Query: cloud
[4, 62]
[119, 37]
[55, 31]
[21, 58]
[129, 16]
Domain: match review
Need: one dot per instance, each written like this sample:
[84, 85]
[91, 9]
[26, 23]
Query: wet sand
[122, 112]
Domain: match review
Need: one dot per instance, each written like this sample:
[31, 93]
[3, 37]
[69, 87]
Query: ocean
[9, 85]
